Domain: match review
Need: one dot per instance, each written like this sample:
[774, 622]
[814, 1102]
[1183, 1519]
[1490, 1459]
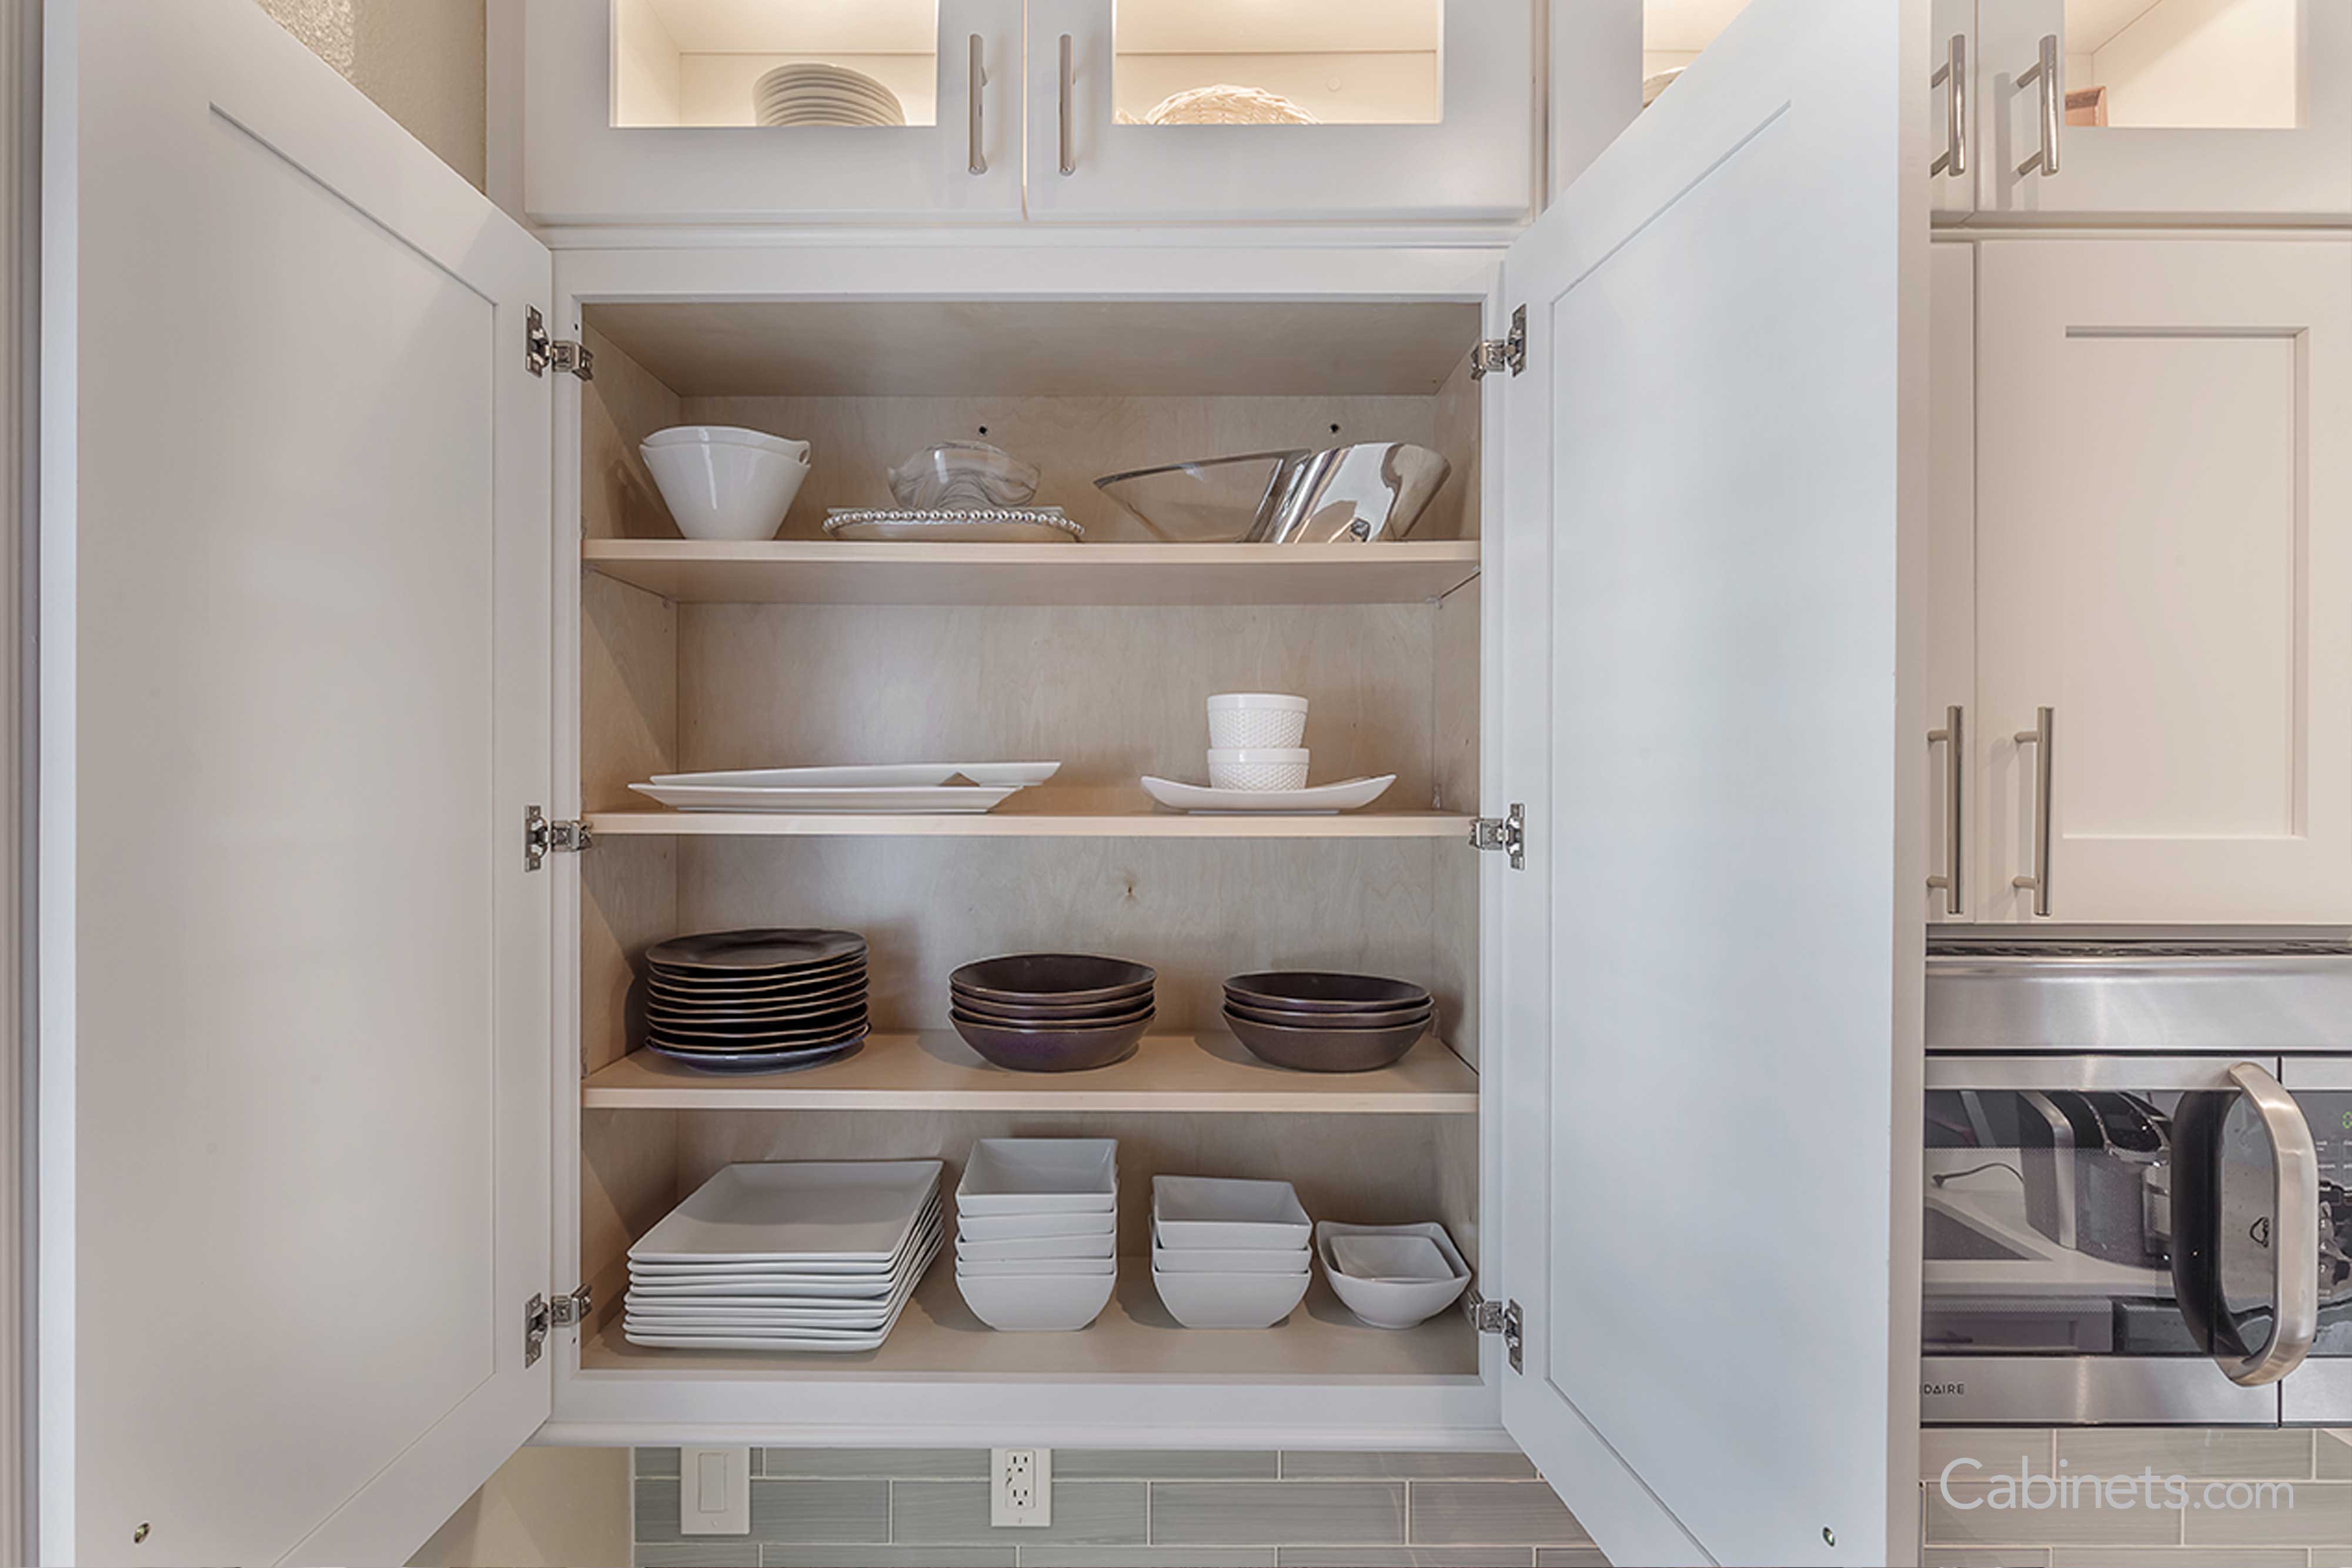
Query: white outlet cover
[714, 1491]
[1003, 1507]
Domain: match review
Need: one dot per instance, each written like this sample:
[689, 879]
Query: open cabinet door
[1711, 963]
[294, 1004]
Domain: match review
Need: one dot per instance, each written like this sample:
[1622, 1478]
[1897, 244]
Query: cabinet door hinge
[541, 353]
[542, 837]
[1496, 1317]
[538, 1317]
[1507, 833]
[1502, 353]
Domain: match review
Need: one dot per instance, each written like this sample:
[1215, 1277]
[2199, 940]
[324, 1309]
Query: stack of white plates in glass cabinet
[813, 93]
[1037, 1231]
[816, 1255]
[1228, 1254]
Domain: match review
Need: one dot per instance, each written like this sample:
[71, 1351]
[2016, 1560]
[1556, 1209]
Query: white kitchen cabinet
[369, 1094]
[2189, 109]
[2163, 566]
[641, 111]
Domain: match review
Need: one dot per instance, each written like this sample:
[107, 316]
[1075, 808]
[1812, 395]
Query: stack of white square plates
[813, 93]
[792, 1255]
[1037, 1231]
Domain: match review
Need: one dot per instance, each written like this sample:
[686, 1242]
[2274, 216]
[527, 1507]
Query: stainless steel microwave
[2137, 1183]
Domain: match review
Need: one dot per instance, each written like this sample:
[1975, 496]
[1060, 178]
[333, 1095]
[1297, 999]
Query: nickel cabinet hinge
[1507, 833]
[539, 1316]
[541, 353]
[1502, 353]
[542, 837]
[1498, 1317]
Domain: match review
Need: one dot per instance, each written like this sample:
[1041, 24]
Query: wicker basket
[1225, 104]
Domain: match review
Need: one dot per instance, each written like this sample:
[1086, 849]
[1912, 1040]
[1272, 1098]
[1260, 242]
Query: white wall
[420, 60]
[2213, 63]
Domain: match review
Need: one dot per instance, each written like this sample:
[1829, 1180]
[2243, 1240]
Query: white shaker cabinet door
[296, 665]
[2167, 109]
[1710, 578]
[1955, 872]
[2164, 563]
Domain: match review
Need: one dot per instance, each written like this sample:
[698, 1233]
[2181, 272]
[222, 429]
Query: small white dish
[1036, 1303]
[1023, 1267]
[881, 775]
[1016, 1227]
[1229, 1260]
[725, 489]
[1040, 1175]
[1257, 768]
[1257, 718]
[1046, 1248]
[888, 800]
[1226, 1212]
[1319, 800]
[1394, 1303]
[1229, 1301]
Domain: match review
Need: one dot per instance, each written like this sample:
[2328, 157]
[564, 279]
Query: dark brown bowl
[1316, 991]
[1326, 1049]
[1076, 1014]
[1058, 978]
[1051, 1050]
[1385, 1018]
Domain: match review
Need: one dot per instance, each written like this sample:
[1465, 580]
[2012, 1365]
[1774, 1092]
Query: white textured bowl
[1229, 1301]
[1257, 768]
[725, 490]
[1257, 720]
[1036, 1303]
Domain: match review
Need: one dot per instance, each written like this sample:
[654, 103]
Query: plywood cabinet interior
[807, 670]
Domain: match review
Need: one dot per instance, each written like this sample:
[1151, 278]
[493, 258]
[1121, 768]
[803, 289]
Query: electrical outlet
[1022, 1494]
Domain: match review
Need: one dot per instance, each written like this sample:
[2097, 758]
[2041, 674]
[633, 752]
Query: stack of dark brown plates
[1319, 1022]
[756, 1001]
[1051, 1012]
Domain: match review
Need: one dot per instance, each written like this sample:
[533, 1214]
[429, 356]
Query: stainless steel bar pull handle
[1954, 72]
[979, 79]
[1950, 737]
[1069, 77]
[2295, 1230]
[2043, 73]
[2038, 737]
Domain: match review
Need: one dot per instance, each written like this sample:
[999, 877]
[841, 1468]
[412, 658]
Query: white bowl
[723, 489]
[1040, 1175]
[728, 436]
[1229, 1260]
[1026, 1267]
[1218, 1211]
[1036, 1303]
[1015, 1226]
[1229, 1301]
[1047, 1247]
[1257, 768]
[1257, 718]
[1390, 1303]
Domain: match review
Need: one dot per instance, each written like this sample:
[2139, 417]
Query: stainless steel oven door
[2052, 1227]
[2319, 1392]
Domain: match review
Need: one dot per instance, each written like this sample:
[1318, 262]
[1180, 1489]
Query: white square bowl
[1019, 1227]
[1024, 1268]
[1041, 1247]
[1394, 1303]
[1040, 1175]
[1034, 1303]
[1225, 1212]
[1228, 1261]
[1229, 1301]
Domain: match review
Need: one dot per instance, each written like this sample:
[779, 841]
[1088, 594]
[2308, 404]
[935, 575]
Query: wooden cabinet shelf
[1134, 1337]
[1007, 822]
[812, 571]
[938, 1072]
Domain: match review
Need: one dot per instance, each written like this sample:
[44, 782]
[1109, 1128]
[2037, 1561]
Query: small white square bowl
[1037, 1246]
[1229, 1301]
[1036, 1303]
[1022, 1226]
[1394, 1303]
[1227, 1212]
[1040, 1175]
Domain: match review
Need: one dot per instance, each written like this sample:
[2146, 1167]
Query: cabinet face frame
[598, 1407]
[578, 167]
[2300, 176]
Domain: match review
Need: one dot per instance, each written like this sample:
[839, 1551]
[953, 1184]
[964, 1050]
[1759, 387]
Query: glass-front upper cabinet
[772, 111]
[2189, 108]
[1282, 110]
